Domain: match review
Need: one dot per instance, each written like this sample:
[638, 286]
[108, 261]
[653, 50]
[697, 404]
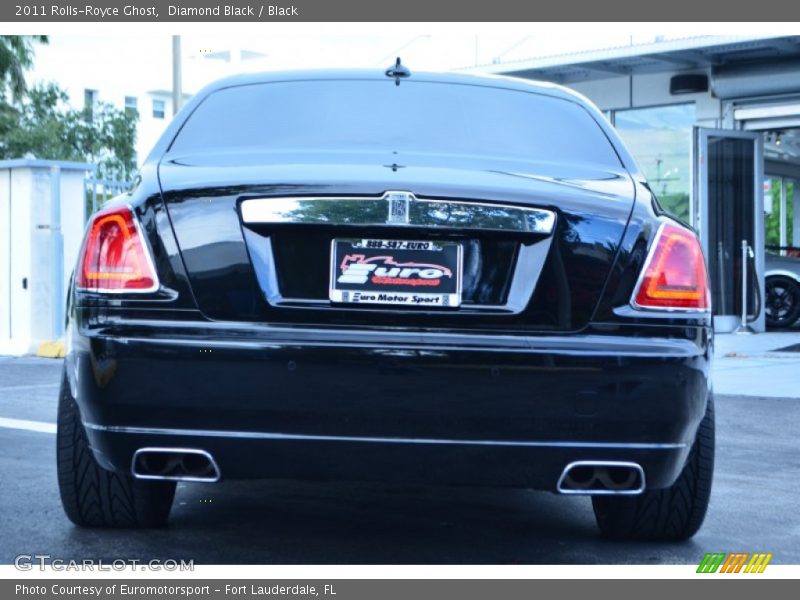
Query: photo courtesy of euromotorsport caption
[389, 275]
[127, 589]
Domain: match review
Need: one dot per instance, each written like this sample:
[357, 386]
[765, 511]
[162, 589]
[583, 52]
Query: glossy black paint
[448, 397]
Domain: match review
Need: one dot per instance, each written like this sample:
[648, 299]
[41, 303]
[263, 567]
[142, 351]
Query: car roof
[497, 81]
[494, 81]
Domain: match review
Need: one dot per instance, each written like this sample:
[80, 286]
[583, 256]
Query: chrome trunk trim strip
[265, 435]
[398, 209]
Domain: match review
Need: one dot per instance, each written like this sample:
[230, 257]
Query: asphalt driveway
[753, 506]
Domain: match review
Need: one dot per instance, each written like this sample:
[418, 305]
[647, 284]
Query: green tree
[16, 56]
[39, 121]
[44, 125]
[772, 221]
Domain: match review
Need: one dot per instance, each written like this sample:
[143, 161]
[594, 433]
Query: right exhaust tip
[601, 478]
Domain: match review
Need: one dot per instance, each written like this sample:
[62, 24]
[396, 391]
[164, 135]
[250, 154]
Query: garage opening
[778, 122]
[782, 227]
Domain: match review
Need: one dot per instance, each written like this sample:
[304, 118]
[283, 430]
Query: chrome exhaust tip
[597, 478]
[175, 464]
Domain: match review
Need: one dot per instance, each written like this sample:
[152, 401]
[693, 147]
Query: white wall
[73, 219]
[28, 296]
[19, 232]
[149, 128]
[616, 93]
[5, 257]
[607, 94]
[34, 224]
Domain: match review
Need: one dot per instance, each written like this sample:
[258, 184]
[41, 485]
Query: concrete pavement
[755, 365]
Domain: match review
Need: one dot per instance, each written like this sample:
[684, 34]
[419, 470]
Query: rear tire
[93, 496]
[782, 306]
[671, 514]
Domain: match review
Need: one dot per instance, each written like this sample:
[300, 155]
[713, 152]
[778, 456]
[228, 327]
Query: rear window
[414, 117]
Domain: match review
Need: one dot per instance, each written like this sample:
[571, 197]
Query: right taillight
[674, 274]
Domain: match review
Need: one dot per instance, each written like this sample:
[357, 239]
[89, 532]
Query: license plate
[396, 272]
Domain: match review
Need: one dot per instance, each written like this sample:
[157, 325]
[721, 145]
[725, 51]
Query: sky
[144, 61]
[138, 56]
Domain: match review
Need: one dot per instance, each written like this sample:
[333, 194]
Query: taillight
[114, 257]
[674, 274]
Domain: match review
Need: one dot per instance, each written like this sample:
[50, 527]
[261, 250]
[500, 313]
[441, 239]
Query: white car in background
[782, 290]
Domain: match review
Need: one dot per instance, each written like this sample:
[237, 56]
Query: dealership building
[714, 123]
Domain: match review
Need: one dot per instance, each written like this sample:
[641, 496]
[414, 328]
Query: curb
[51, 349]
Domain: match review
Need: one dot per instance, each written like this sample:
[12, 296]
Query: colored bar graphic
[711, 563]
[726, 568]
[734, 562]
[740, 562]
[758, 563]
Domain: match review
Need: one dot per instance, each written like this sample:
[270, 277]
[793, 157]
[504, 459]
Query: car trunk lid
[281, 271]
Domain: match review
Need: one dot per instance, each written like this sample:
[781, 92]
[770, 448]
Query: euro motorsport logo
[736, 562]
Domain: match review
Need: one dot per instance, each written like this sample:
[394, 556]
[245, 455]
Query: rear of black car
[444, 279]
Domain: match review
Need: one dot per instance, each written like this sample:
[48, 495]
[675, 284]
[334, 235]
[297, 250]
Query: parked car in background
[782, 290]
[392, 277]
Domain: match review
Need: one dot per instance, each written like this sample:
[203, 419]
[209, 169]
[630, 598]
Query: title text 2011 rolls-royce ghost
[390, 276]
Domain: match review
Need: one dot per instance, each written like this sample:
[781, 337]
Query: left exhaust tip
[175, 464]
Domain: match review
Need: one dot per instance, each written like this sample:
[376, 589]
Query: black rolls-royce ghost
[389, 276]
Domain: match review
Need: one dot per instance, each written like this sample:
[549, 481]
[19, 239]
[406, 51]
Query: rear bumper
[391, 406]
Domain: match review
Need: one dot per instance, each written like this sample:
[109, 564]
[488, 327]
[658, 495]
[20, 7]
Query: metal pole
[177, 92]
[721, 278]
[744, 328]
[784, 238]
[57, 257]
[795, 200]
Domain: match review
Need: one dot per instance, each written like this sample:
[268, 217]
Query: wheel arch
[783, 273]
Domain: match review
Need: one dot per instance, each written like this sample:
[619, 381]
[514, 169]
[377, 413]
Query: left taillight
[115, 257]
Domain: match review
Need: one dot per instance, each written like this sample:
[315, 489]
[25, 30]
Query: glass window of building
[90, 98]
[660, 138]
[158, 109]
[130, 104]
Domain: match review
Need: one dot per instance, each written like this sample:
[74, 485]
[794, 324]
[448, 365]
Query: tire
[93, 496]
[782, 305]
[671, 514]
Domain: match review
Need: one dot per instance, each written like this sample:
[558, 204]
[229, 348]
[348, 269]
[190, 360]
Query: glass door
[727, 209]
